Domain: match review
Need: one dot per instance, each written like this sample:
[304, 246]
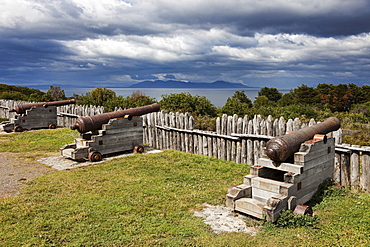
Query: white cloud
[297, 48]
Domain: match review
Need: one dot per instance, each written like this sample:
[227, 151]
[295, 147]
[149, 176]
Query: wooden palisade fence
[67, 114]
[236, 139]
[242, 140]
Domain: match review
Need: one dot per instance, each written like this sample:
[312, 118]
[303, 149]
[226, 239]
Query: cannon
[21, 109]
[92, 123]
[108, 133]
[281, 148]
[288, 175]
[34, 116]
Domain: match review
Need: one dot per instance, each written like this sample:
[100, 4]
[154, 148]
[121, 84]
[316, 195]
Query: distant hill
[182, 84]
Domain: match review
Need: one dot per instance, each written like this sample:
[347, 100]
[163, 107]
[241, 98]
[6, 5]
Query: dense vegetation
[29, 94]
[148, 200]
[349, 102]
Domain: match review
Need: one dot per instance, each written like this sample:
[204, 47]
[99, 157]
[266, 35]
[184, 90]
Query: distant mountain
[182, 84]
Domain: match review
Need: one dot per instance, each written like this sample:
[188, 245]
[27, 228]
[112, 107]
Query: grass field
[148, 200]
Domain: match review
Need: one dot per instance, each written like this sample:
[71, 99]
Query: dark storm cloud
[115, 42]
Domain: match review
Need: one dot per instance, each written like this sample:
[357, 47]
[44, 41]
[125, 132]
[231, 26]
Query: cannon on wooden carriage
[34, 116]
[108, 133]
[288, 176]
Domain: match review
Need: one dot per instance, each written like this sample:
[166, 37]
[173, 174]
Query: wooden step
[250, 206]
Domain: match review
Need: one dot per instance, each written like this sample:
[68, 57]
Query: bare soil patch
[14, 173]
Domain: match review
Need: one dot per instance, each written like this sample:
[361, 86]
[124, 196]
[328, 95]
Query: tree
[137, 99]
[56, 93]
[261, 101]
[20, 93]
[286, 99]
[98, 96]
[306, 95]
[13, 95]
[185, 102]
[271, 93]
[238, 104]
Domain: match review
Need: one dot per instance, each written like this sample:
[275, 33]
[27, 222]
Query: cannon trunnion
[274, 184]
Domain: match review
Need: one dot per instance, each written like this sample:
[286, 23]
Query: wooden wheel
[139, 149]
[95, 156]
[303, 210]
[18, 128]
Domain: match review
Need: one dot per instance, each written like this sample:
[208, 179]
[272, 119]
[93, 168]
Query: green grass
[147, 200]
[32, 145]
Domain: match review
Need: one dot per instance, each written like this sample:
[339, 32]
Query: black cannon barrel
[92, 123]
[20, 109]
[281, 148]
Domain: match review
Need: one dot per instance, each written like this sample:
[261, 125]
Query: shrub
[289, 220]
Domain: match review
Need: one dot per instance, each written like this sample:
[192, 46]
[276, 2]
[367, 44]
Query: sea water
[218, 97]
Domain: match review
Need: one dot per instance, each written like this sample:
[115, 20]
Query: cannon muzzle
[20, 109]
[281, 148]
[92, 123]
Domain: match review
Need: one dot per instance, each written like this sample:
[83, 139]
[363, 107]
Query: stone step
[250, 206]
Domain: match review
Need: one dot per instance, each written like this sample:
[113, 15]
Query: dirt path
[14, 173]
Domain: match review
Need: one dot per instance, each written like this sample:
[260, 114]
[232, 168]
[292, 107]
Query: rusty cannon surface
[93, 123]
[20, 109]
[108, 133]
[281, 148]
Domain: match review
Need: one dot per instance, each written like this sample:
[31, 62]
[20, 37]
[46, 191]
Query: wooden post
[181, 125]
[228, 141]
[337, 173]
[281, 127]
[256, 142]
[218, 140]
[234, 123]
[345, 168]
[172, 133]
[269, 126]
[239, 130]
[200, 144]
[191, 136]
[289, 125]
[355, 169]
[244, 141]
[205, 145]
[365, 176]
[250, 156]
[223, 141]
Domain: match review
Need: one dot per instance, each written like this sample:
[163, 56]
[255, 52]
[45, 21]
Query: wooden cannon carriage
[288, 176]
[34, 116]
[108, 133]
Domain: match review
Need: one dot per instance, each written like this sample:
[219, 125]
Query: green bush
[289, 220]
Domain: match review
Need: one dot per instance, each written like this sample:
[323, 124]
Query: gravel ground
[222, 219]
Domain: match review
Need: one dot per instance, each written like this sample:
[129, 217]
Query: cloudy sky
[273, 43]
